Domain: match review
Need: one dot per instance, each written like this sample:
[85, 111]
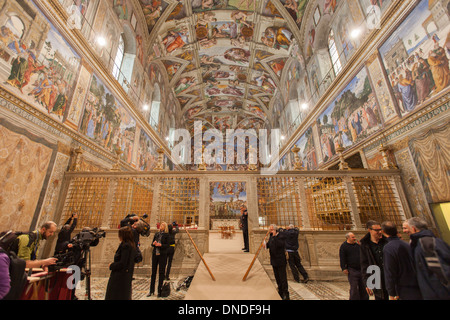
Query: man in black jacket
[276, 246]
[432, 261]
[399, 273]
[349, 255]
[244, 227]
[291, 241]
[65, 235]
[371, 254]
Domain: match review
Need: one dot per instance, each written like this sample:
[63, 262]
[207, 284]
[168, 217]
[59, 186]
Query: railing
[310, 200]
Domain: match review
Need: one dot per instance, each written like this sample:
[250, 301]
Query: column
[154, 217]
[303, 203]
[354, 210]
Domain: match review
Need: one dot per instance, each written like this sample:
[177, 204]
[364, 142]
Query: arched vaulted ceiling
[226, 60]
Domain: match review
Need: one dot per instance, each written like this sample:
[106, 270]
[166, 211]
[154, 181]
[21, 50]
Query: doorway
[226, 199]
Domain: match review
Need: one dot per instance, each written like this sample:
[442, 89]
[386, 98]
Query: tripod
[87, 271]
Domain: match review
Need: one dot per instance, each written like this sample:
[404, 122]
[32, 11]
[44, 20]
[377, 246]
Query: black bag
[9, 240]
[138, 257]
[434, 264]
[165, 290]
[17, 266]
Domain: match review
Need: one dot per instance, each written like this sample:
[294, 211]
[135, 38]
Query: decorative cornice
[30, 113]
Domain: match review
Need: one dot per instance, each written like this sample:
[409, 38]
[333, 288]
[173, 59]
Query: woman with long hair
[119, 284]
[160, 245]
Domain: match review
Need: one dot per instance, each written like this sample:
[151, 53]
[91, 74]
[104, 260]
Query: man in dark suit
[244, 227]
[277, 251]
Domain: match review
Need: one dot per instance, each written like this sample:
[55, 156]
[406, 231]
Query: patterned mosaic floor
[313, 290]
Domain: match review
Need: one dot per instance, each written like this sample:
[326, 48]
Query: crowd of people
[19, 251]
[381, 264]
[386, 267]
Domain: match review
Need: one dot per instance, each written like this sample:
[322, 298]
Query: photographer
[64, 235]
[76, 252]
[28, 246]
[173, 230]
[276, 246]
[137, 227]
[291, 240]
[119, 284]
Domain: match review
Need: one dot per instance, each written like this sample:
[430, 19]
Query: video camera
[143, 227]
[88, 237]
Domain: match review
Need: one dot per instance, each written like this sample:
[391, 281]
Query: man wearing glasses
[371, 255]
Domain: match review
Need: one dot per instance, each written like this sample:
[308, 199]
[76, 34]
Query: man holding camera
[277, 251]
[64, 235]
[291, 236]
[137, 226]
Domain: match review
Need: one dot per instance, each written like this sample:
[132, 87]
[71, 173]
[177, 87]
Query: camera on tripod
[77, 248]
[89, 237]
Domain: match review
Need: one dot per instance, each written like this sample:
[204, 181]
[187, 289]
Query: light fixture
[355, 33]
[304, 106]
[101, 41]
[145, 107]
[283, 137]
[167, 138]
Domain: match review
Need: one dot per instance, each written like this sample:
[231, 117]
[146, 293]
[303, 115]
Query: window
[316, 16]
[154, 111]
[334, 53]
[119, 58]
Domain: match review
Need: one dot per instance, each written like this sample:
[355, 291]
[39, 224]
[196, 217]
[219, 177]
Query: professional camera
[89, 237]
[78, 253]
[143, 228]
[79, 245]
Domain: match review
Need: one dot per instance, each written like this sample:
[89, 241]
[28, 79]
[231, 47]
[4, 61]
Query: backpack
[9, 240]
[165, 290]
[428, 245]
[16, 267]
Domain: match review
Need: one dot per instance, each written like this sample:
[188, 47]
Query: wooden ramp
[228, 270]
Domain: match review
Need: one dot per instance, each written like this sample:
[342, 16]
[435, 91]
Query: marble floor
[313, 290]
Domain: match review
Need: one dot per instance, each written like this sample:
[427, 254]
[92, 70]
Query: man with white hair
[349, 255]
[431, 257]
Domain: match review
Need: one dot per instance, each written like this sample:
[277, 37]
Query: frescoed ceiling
[225, 59]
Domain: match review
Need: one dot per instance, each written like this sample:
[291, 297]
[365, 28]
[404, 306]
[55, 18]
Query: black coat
[244, 222]
[430, 286]
[277, 250]
[291, 239]
[64, 236]
[164, 239]
[367, 259]
[399, 272]
[119, 284]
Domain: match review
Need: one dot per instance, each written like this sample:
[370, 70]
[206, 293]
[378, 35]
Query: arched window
[334, 54]
[119, 58]
[154, 111]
